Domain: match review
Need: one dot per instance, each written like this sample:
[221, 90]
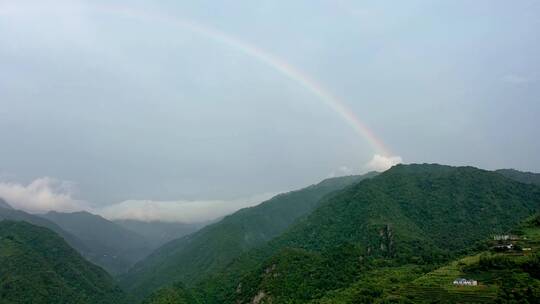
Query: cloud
[516, 79]
[47, 194]
[179, 211]
[341, 171]
[382, 163]
[42, 195]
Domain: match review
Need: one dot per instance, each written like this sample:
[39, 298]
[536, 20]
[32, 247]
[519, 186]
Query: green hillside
[193, 257]
[510, 276]
[503, 277]
[523, 177]
[176, 294]
[73, 241]
[115, 248]
[38, 266]
[411, 216]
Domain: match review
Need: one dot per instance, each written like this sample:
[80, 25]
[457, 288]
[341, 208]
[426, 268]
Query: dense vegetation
[100, 241]
[192, 257]
[113, 247]
[511, 276]
[419, 215]
[37, 266]
[523, 177]
[73, 241]
[176, 294]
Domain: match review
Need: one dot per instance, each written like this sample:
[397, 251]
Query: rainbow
[265, 57]
[270, 60]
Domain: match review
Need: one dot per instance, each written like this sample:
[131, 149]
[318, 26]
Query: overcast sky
[141, 103]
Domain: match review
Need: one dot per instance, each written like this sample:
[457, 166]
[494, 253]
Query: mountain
[116, 248]
[98, 240]
[523, 177]
[419, 215]
[4, 204]
[158, 233]
[38, 266]
[73, 241]
[194, 256]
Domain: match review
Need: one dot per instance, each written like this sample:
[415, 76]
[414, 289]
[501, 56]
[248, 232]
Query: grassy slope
[37, 266]
[193, 257]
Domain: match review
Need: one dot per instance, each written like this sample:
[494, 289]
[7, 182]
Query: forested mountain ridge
[115, 248]
[411, 214]
[38, 266]
[193, 257]
[73, 241]
[523, 177]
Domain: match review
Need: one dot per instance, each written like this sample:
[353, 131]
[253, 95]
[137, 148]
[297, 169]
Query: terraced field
[437, 286]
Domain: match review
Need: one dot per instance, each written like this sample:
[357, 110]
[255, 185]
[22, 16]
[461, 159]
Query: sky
[189, 110]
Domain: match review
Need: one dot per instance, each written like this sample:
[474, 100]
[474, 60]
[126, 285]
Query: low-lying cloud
[179, 211]
[341, 171]
[42, 195]
[382, 163]
[49, 194]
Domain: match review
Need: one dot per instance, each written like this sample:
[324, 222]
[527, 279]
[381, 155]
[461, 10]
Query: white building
[505, 237]
[465, 282]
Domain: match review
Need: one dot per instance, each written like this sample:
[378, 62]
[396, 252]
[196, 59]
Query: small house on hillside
[465, 282]
[504, 247]
[505, 237]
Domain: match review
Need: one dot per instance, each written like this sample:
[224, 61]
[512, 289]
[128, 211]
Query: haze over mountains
[4, 205]
[158, 233]
[117, 248]
[108, 244]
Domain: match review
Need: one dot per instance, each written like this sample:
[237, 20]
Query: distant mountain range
[115, 248]
[158, 233]
[523, 177]
[73, 241]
